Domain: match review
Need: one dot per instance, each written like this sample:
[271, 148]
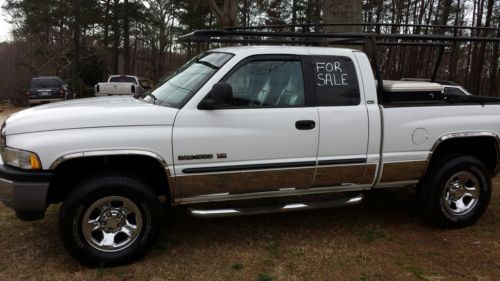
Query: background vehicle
[47, 89]
[119, 85]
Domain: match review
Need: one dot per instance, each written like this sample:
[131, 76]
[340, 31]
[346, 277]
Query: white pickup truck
[236, 128]
[119, 85]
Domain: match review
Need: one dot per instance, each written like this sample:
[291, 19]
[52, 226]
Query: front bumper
[24, 191]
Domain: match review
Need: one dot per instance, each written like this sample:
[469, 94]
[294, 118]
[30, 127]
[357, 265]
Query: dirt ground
[384, 238]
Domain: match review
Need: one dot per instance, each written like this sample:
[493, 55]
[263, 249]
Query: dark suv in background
[47, 89]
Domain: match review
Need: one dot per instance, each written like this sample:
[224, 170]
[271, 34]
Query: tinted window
[268, 83]
[122, 79]
[336, 81]
[45, 83]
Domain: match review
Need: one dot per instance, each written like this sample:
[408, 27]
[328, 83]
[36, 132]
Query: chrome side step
[211, 213]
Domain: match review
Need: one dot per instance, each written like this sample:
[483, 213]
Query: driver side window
[268, 83]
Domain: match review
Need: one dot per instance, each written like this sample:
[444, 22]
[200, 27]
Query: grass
[370, 234]
[417, 272]
[237, 266]
[384, 238]
[265, 277]
[274, 250]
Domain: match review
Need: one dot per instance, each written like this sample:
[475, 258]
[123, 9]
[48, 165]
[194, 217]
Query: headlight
[21, 159]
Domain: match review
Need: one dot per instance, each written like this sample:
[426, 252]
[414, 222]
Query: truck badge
[221, 155]
[195, 157]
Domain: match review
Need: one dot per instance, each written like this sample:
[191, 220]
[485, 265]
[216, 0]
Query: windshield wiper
[205, 63]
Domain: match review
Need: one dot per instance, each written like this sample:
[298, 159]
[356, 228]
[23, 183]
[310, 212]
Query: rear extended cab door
[349, 142]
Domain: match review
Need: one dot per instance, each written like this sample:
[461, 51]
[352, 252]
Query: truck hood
[90, 113]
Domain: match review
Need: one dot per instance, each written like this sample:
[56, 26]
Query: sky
[4, 25]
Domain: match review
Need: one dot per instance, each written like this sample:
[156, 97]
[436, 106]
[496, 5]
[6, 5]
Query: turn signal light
[35, 163]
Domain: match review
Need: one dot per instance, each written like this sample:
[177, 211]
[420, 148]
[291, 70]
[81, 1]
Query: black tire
[439, 197]
[91, 191]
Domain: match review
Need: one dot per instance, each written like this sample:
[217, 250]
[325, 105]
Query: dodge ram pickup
[246, 130]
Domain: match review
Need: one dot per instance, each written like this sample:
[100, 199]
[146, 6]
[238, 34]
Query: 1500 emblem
[202, 156]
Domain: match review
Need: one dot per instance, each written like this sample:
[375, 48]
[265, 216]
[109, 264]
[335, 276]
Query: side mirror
[221, 93]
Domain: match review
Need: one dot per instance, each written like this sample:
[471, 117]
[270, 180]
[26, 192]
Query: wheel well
[72, 171]
[483, 148]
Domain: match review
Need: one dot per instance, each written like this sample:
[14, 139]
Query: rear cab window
[335, 80]
[122, 79]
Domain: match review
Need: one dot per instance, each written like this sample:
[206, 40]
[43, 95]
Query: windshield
[180, 86]
[45, 83]
[122, 79]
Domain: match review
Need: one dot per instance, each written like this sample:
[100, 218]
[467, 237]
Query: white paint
[89, 113]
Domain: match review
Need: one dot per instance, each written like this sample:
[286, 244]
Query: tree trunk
[107, 10]
[126, 38]
[456, 47]
[477, 65]
[76, 47]
[482, 50]
[342, 11]
[116, 38]
[294, 13]
[494, 89]
[227, 13]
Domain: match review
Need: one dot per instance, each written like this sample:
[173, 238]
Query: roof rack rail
[365, 24]
[272, 34]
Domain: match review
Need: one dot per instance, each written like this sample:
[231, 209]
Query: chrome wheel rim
[112, 223]
[461, 193]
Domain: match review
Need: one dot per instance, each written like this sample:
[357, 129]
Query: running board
[211, 213]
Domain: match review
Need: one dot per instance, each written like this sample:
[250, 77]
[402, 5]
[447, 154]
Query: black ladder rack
[273, 35]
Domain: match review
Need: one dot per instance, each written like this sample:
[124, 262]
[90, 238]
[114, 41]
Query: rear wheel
[109, 219]
[456, 192]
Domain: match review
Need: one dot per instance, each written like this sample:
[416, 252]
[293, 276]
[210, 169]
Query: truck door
[265, 140]
[342, 153]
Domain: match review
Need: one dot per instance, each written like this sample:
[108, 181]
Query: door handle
[305, 125]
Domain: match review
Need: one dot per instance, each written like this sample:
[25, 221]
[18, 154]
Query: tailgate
[116, 89]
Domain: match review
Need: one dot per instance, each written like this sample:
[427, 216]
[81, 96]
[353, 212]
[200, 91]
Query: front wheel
[109, 220]
[457, 192]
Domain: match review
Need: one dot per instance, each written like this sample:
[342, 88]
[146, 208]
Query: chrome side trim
[64, 158]
[400, 171]
[396, 184]
[334, 175]
[108, 153]
[465, 135]
[274, 209]
[242, 182]
[268, 194]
